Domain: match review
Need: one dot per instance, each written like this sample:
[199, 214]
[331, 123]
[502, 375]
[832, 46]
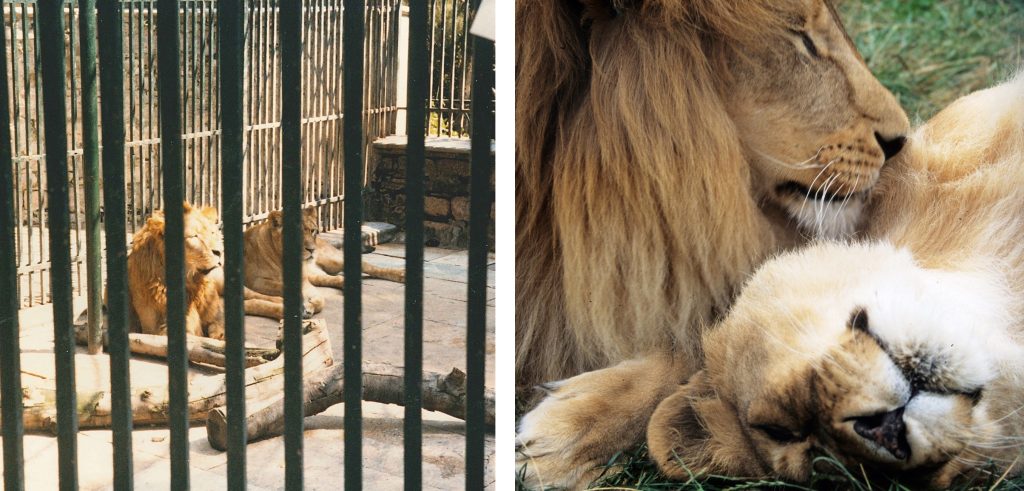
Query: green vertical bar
[51, 39]
[290, 37]
[168, 77]
[353, 28]
[415, 129]
[10, 347]
[112, 89]
[231, 37]
[481, 195]
[91, 154]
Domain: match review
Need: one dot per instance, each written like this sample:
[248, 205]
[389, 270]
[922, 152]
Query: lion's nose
[886, 430]
[890, 146]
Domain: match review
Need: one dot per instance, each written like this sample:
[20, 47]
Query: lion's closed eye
[809, 44]
[779, 433]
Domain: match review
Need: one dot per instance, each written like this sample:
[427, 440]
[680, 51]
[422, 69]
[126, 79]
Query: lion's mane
[635, 222]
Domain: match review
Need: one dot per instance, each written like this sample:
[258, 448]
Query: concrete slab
[398, 250]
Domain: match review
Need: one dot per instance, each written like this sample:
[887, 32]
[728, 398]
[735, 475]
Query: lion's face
[853, 352]
[204, 244]
[310, 230]
[815, 123]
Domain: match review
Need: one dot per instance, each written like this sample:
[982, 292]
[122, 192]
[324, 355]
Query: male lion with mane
[204, 314]
[902, 353]
[664, 149]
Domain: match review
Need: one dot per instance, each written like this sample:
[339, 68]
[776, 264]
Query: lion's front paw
[312, 306]
[306, 310]
[561, 444]
[570, 438]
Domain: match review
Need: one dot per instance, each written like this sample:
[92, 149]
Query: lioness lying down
[321, 264]
[903, 353]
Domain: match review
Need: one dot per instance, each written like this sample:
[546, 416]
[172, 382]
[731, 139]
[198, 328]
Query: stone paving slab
[383, 329]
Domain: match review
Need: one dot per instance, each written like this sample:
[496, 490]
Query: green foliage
[633, 470]
[929, 52]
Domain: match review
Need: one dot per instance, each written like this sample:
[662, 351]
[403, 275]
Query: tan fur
[204, 315]
[653, 138]
[321, 264]
[940, 285]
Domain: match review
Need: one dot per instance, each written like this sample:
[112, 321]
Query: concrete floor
[443, 436]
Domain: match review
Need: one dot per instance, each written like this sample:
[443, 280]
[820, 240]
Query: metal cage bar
[109, 24]
[51, 30]
[290, 36]
[10, 347]
[168, 77]
[91, 163]
[231, 65]
[352, 53]
[415, 190]
[481, 195]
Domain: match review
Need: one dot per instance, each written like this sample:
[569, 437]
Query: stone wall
[446, 202]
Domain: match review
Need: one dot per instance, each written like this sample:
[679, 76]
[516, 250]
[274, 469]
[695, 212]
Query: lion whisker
[811, 186]
[822, 203]
[849, 195]
[810, 163]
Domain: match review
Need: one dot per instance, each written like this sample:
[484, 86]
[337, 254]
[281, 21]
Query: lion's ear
[155, 224]
[275, 218]
[210, 213]
[694, 432]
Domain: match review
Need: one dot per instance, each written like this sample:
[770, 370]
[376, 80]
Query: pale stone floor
[443, 436]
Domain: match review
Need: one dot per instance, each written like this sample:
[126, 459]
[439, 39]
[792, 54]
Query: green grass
[634, 471]
[929, 52]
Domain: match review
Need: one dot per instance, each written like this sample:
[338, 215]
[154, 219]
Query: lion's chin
[830, 219]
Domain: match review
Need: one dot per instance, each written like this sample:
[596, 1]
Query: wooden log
[201, 350]
[206, 392]
[381, 383]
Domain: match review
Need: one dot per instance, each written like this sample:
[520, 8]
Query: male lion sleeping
[903, 353]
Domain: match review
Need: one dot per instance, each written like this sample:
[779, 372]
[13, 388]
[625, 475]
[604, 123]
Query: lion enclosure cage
[447, 105]
[255, 121]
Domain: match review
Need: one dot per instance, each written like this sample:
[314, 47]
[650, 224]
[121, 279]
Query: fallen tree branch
[381, 383]
[205, 392]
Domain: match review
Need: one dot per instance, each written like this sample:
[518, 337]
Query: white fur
[828, 219]
[959, 318]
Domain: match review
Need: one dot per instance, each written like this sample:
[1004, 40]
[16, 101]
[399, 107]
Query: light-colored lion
[664, 149]
[902, 353]
[321, 264]
[204, 314]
